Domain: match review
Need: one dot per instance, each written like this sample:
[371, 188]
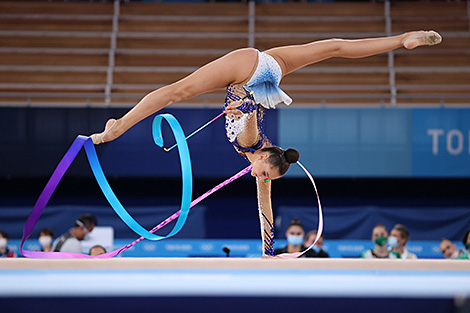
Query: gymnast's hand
[232, 111]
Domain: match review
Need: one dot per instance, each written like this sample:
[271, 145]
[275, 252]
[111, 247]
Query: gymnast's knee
[336, 45]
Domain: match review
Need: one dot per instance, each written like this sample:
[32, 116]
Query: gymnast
[252, 79]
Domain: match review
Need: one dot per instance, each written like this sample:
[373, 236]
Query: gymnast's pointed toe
[97, 139]
[433, 38]
[422, 38]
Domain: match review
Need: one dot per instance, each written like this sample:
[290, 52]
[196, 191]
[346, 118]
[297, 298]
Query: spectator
[97, 250]
[466, 240]
[397, 241]
[4, 251]
[380, 251]
[295, 238]
[449, 249]
[318, 247]
[466, 244]
[45, 239]
[70, 241]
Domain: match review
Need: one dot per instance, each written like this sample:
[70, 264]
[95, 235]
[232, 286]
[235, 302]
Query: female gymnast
[252, 80]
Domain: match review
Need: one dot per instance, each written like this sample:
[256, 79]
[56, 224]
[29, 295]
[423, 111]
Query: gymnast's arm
[266, 217]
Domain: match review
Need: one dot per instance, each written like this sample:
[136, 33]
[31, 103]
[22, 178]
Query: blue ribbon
[185, 168]
[87, 142]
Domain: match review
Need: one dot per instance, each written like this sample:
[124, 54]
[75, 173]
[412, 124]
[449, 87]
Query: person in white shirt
[70, 241]
[397, 241]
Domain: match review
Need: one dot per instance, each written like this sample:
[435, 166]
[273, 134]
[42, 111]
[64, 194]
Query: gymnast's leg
[294, 57]
[234, 67]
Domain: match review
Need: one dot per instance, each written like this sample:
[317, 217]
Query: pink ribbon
[320, 221]
[34, 216]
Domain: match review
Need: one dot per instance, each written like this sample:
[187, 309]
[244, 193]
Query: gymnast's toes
[97, 139]
[428, 38]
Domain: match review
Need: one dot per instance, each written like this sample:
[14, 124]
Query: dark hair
[465, 238]
[47, 232]
[4, 234]
[295, 222]
[87, 219]
[281, 158]
[97, 246]
[404, 232]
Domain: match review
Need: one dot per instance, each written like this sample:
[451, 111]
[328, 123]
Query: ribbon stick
[196, 131]
[205, 125]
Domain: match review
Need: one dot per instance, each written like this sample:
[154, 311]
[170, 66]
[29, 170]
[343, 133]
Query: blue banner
[378, 142]
[441, 143]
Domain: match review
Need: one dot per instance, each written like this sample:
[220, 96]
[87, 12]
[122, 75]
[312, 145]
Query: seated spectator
[466, 244]
[70, 241]
[295, 238]
[97, 250]
[45, 239]
[318, 247]
[380, 251]
[4, 251]
[449, 249]
[399, 236]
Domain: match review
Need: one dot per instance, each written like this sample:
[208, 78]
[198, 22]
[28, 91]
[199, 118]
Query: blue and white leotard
[264, 83]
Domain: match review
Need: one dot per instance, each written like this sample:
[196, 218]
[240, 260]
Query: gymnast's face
[263, 170]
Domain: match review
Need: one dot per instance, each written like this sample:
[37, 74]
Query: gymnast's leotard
[264, 83]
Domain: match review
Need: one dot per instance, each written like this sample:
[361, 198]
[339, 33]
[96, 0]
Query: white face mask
[45, 241]
[455, 255]
[3, 243]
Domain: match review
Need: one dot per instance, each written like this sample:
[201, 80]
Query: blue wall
[333, 142]
[379, 142]
[33, 141]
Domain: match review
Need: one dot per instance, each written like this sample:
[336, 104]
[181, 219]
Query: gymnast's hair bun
[291, 155]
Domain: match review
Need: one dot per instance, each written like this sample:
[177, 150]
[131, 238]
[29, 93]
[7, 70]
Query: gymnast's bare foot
[109, 134]
[421, 38]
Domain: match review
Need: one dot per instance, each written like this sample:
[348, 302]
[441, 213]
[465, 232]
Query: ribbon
[320, 221]
[68, 158]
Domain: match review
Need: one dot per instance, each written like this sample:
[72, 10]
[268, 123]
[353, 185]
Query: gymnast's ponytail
[281, 158]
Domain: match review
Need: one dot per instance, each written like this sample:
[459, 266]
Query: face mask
[454, 255]
[381, 241]
[295, 240]
[316, 249]
[45, 241]
[3, 243]
[393, 242]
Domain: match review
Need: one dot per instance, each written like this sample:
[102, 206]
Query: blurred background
[387, 138]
